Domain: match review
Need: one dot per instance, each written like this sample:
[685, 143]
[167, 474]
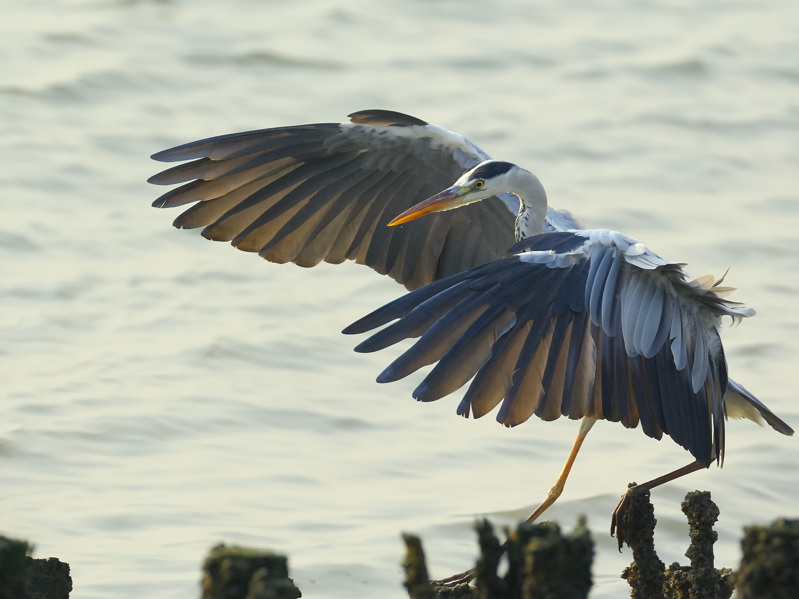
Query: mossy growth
[537, 561]
[13, 565]
[236, 572]
[770, 563]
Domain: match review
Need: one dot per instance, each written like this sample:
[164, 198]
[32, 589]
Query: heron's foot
[620, 521]
[451, 581]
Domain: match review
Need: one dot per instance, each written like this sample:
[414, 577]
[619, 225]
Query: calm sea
[162, 393]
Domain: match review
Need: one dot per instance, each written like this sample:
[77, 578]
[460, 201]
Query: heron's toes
[462, 578]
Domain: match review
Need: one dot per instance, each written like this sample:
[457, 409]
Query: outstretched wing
[740, 403]
[309, 193]
[586, 323]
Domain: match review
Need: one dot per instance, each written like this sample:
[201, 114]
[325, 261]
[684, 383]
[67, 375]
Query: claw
[451, 581]
[619, 522]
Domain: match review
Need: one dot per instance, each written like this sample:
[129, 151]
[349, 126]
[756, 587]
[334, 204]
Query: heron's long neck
[532, 204]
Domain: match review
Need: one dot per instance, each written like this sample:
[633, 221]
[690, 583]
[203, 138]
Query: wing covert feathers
[574, 324]
[325, 192]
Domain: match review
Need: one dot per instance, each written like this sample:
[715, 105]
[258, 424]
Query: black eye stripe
[491, 169]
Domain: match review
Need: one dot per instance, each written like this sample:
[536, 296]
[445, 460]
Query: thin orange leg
[619, 523]
[554, 493]
[560, 483]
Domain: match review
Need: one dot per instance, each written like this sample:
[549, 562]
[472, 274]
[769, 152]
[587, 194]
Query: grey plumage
[581, 323]
[318, 192]
[586, 323]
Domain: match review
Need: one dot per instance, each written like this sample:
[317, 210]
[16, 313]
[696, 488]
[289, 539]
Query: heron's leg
[619, 523]
[585, 425]
[554, 493]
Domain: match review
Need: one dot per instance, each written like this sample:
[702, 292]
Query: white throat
[532, 202]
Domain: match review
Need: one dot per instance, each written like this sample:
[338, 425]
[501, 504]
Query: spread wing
[582, 323]
[309, 193]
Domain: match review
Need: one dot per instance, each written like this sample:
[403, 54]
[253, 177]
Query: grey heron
[588, 324]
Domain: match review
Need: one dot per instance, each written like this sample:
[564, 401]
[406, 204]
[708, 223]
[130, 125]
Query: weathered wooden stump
[241, 573]
[541, 563]
[770, 564]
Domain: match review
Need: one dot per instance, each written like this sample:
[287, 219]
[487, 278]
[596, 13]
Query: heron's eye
[479, 183]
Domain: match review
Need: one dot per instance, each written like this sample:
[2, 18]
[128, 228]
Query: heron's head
[485, 180]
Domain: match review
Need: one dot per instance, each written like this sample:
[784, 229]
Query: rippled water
[163, 393]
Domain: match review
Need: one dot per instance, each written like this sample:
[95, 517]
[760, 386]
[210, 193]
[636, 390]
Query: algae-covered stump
[13, 558]
[47, 579]
[23, 577]
[240, 573]
[700, 580]
[542, 563]
[770, 563]
[646, 574]
[416, 579]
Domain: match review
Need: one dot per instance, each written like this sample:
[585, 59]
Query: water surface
[163, 393]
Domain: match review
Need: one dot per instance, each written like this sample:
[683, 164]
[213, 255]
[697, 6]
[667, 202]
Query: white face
[470, 187]
[474, 187]
[465, 180]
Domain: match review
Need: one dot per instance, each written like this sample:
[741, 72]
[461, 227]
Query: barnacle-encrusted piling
[25, 577]
[13, 558]
[416, 579]
[700, 580]
[541, 563]
[241, 573]
[47, 579]
[646, 574]
[770, 563]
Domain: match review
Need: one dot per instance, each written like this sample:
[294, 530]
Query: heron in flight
[588, 324]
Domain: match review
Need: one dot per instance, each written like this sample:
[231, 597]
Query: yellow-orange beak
[444, 200]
